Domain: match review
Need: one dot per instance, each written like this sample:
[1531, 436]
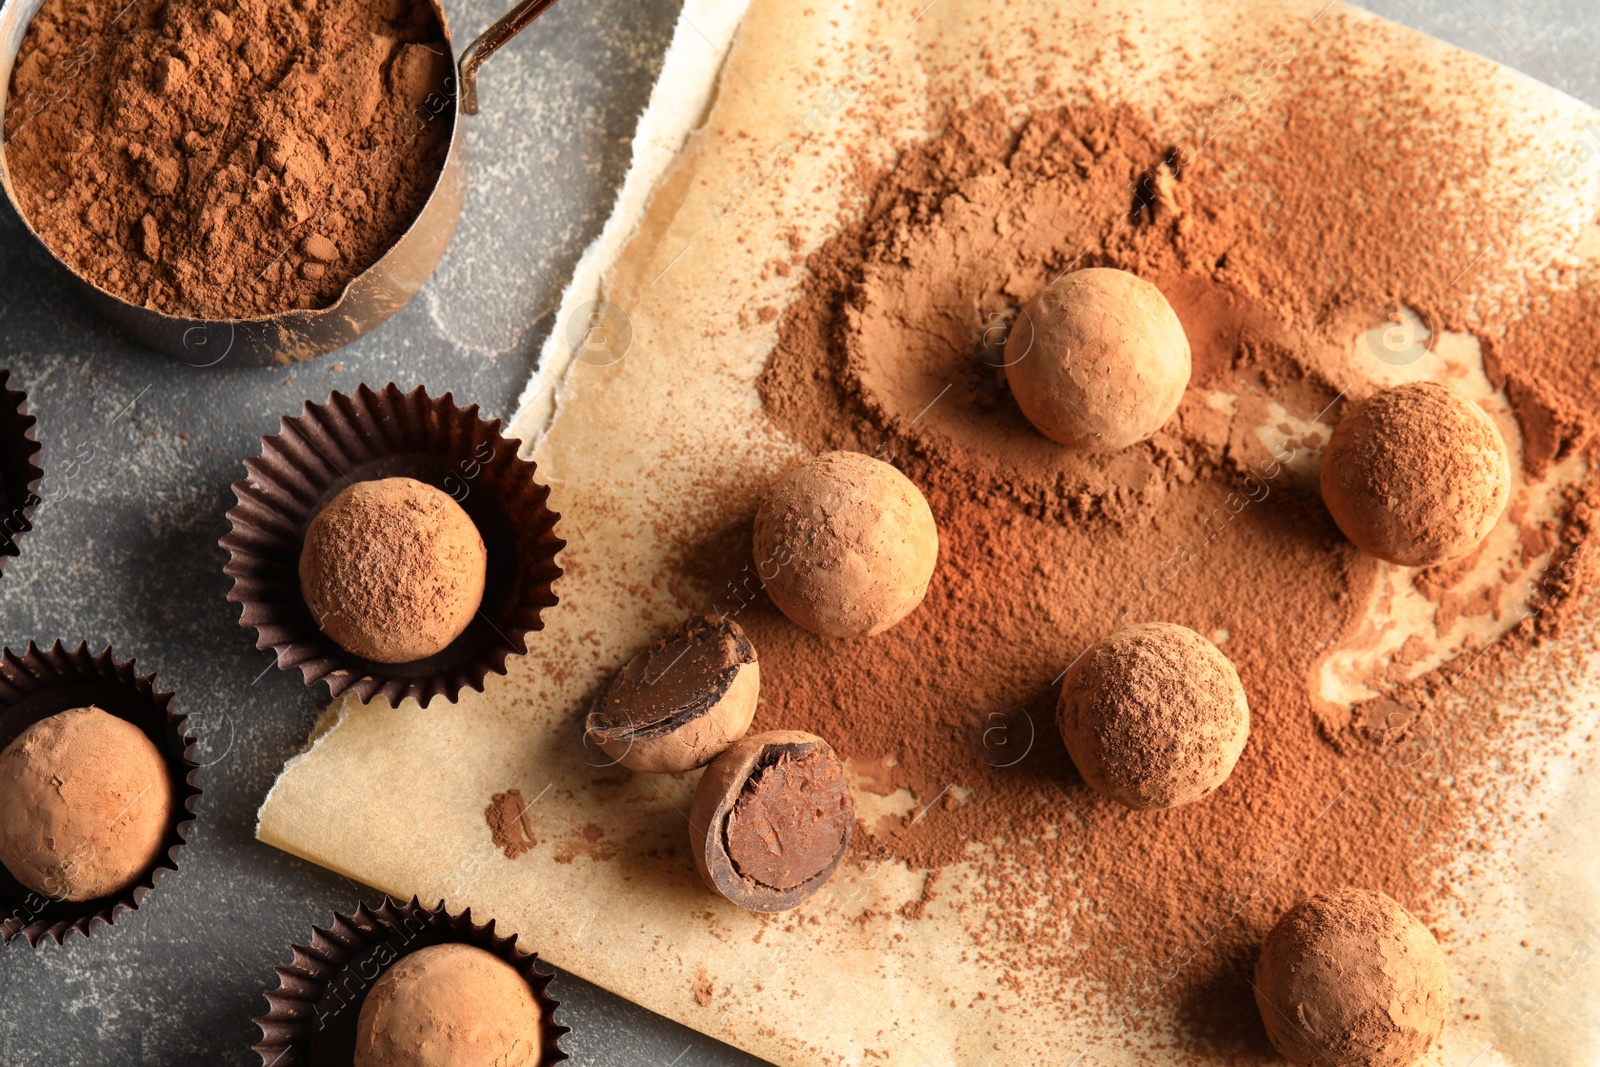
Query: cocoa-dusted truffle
[845, 544]
[393, 570]
[1154, 716]
[772, 818]
[1349, 978]
[680, 702]
[1416, 475]
[1098, 361]
[85, 802]
[449, 1005]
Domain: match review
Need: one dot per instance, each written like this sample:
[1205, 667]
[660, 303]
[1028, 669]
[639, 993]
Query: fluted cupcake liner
[20, 473]
[43, 682]
[386, 434]
[312, 1014]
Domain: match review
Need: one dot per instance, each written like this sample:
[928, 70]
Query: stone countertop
[125, 552]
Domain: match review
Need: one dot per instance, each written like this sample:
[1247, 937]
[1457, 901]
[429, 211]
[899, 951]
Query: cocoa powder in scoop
[227, 158]
[1044, 550]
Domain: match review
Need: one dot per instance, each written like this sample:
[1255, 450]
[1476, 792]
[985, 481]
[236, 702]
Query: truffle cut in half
[771, 820]
[679, 703]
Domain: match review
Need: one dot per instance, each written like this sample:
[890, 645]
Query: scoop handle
[510, 24]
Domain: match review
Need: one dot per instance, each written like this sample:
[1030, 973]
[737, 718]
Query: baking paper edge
[679, 102]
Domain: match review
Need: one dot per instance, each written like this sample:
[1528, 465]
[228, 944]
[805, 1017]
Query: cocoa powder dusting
[227, 158]
[1045, 551]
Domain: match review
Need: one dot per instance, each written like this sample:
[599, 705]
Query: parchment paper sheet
[744, 154]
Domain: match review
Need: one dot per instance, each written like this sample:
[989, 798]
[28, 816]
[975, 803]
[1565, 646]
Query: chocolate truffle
[449, 1005]
[1349, 978]
[845, 544]
[393, 570]
[771, 820]
[679, 703]
[1153, 716]
[1416, 475]
[1098, 361]
[85, 802]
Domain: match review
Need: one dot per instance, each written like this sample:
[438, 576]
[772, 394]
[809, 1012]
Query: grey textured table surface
[125, 553]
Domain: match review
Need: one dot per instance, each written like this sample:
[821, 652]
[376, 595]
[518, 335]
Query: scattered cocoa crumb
[703, 988]
[509, 824]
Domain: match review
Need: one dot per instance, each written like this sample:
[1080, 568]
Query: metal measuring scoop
[370, 298]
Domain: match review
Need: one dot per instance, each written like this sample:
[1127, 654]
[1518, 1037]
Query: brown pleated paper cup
[20, 473]
[43, 682]
[386, 434]
[312, 1014]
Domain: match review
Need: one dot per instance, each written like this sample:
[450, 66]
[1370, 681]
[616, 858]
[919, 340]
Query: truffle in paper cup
[40, 683]
[20, 473]
[386, 434]
[312, 1014]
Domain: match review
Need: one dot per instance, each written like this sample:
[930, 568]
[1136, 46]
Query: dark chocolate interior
[788, 825]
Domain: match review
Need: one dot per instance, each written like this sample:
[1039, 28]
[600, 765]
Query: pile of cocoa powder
[227, 158]
[1264, 254]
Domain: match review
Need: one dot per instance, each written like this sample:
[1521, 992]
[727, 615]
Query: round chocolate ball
[1416, 475]
[1349, 978]
[449, 1005]
[845, 544]
[393, 570]
[85, 802]
[1098, 361]
[1153, 716]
